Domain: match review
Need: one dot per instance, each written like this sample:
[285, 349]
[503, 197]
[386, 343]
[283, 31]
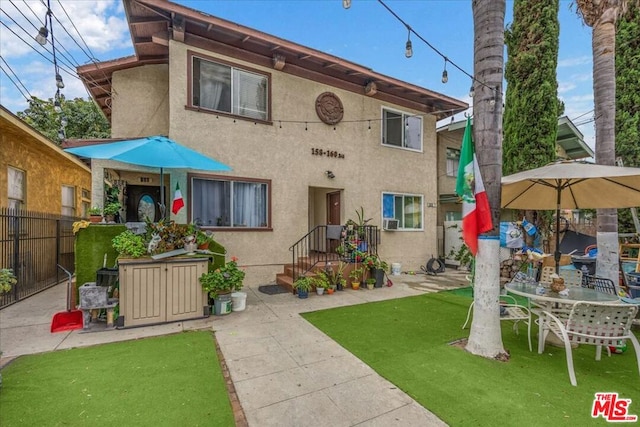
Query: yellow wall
[47, 168]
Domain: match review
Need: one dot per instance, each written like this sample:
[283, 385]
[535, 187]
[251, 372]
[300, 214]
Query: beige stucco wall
[140, 102]
[281, 152]
[47, 168]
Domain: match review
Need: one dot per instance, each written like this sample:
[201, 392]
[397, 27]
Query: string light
[408, 48]
[59, 82]
[346, 4]
[43, 33]
[445, 76]
[425, 41]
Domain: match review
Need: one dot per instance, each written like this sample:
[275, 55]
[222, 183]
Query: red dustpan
[70, 319]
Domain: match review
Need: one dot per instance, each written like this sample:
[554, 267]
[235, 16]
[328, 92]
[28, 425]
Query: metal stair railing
[315, 248]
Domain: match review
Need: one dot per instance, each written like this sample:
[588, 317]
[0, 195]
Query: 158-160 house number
[327, 153]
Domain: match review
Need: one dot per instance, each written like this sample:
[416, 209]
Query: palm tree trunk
[604, 89]
[488, 17]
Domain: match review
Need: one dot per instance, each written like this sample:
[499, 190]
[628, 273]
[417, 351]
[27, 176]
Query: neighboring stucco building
[570, 145]
[310, 137]
[37, 175]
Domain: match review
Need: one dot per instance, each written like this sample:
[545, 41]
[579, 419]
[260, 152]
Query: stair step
[285, 281]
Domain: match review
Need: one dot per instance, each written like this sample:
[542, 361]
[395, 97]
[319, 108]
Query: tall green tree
[83, 119]
[628, 98]
[531, 103]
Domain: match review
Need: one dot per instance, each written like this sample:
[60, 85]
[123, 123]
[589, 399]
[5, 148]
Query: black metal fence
[33, 244]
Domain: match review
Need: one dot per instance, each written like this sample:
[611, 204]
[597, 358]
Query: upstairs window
[401, 130]
[453, 160]
[16, 188]
[406, 208]
[227, 89]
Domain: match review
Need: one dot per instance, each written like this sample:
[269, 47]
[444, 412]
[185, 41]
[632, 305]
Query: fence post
[58, 260]
[16, 250]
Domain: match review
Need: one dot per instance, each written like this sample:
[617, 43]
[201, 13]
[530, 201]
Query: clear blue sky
[366, 34]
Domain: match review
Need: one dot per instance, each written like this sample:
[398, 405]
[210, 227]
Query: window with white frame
[227, 89]
[401, 130]
[16, 188]
[406, 208]
[68, 200]
[453, 160]
[230, 203]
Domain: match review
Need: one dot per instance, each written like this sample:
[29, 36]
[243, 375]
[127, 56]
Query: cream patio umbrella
[571, 185]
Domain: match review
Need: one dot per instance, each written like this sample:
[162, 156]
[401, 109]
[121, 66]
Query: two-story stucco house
[310, 137]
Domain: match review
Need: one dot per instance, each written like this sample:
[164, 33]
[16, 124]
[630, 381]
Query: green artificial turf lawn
[173, 380]
[406, 341]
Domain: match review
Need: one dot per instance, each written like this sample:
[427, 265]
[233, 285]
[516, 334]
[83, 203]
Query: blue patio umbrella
[152, 151]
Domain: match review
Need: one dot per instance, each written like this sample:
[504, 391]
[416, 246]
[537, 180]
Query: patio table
[549, 299]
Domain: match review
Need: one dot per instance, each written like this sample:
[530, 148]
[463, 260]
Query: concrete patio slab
[285, 371]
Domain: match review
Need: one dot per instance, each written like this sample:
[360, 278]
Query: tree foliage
[532, 106]
[84, 119]
[628, 97]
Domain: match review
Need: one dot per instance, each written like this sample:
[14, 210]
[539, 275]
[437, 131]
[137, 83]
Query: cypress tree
[532, 106]
[628, 97]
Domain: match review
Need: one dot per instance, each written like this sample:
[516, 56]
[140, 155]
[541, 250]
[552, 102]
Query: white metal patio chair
[599, 324]
[571, 277]
[509, 310]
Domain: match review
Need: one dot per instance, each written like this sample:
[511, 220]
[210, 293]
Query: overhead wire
[70, 67]
[17, 78]
[436, 50]
[67, 64]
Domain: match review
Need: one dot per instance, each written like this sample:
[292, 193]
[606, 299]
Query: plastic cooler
[633, 281]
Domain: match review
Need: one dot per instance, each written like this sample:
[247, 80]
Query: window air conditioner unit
[390, 224]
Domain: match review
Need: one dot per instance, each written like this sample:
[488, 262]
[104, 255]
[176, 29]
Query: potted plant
[303, 285]
[95, 214]
[7, 280]
[333, 277]
[110, 210]
[371, 281]
[376, 268]
[223, 280]
[356, 277]
[321, 281]
[203, 239]
[129, 245]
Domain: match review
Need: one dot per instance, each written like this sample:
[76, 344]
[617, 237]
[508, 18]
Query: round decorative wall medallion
[329, 108]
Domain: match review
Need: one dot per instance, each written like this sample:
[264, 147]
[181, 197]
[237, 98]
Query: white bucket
[238, 301]
[396, 267]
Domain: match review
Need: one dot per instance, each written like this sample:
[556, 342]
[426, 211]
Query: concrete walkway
[285, 371]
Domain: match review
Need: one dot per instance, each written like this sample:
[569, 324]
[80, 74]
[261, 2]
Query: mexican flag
[476, 215]
[178, 202]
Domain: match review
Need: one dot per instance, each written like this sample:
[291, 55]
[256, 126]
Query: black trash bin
[584, 263]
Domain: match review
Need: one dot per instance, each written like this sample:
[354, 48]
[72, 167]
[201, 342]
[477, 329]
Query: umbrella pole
[162, 207]
[557, 254]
